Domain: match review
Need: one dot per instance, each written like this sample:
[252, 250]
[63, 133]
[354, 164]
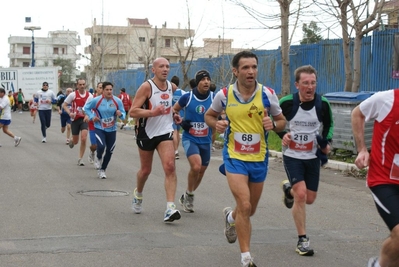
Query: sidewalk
[331, 164]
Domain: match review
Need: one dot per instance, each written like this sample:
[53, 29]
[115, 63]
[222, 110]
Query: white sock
[170, 205]
[245, 255]
[177, 151]
[230, 218]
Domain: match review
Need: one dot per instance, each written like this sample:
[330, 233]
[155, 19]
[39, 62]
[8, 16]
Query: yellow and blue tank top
[246, 139]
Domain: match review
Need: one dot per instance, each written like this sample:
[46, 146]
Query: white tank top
[160, 125]
[304, 127]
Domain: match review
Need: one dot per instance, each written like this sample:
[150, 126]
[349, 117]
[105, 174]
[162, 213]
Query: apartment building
[139, 43]
[58, 44]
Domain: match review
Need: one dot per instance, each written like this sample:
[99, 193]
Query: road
[55, 213]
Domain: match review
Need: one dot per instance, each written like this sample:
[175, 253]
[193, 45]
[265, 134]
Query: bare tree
[285, 13]
[356, 20]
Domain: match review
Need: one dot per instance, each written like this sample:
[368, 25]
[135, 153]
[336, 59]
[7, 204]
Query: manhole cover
[103, 193]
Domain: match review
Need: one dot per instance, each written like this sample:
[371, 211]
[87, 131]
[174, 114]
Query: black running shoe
[302, 247]
[288, 200]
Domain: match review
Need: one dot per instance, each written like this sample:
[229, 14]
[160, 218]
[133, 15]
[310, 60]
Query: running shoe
[302, 247]
[177, 155]
[80, 162]
[122, 125]
[71, 144]
[230, 228]
[171, 214]
[44, 140]
[288, 200]
[187, 201]
[101, 174]
[97, 163]
[17, 140]
[67, 142]
[248, 262]
[372, 262]
[91, 157]
[136, 203]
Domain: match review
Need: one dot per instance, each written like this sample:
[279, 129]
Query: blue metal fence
[326, 56]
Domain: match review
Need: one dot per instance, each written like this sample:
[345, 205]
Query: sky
[209, 19]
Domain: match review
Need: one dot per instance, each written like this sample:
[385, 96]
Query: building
[139, 43]
[391, 8]
[58, 44]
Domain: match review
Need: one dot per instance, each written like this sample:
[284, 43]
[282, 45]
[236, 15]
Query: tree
[284, 26]
[311, 33]
[68, 70]
[354, 19]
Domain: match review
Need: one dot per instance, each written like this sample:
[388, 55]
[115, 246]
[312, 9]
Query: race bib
[79, 111]
[302, 142]
[199, 129]
[108, 122]
[247, 143]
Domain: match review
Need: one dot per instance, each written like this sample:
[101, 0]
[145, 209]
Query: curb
[331, 164]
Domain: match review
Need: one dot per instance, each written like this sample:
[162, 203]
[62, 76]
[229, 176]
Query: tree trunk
[356, 63]
[285, 47]
[345, 46]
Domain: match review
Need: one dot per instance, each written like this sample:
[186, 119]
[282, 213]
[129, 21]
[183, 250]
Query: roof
[132, 21]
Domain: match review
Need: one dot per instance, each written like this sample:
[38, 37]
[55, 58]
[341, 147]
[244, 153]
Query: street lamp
[33, 28]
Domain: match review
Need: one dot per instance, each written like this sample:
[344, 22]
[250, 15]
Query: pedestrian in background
[45, 99]
[79, 125]
[176, 128]
[127, 103]
[382, 163]
[20, 99]
[5, 116]
[64, 117]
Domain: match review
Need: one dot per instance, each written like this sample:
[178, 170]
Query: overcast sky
[209, 18]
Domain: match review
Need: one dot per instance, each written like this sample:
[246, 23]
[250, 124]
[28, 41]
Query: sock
[170, 205]
[230, 218]
[177, 151]
[301, 236]
[288, 193]
[15, 137]
[139, 194]
[245, 255]
[191, 193]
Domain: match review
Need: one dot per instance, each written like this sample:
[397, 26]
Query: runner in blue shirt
[104, 110]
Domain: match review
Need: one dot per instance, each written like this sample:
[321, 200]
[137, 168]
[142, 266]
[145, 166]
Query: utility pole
[32, 29]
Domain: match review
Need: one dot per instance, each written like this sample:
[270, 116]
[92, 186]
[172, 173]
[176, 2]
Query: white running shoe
[17, 140]
[44, 140]
[80, 162]
[171, 214]
[101, 174]
[136, 203]
[91, 157]
[97, 163]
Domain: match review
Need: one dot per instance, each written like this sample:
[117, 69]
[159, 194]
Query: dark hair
[2, 90]
[123, 89]
[175, 80]
[304, 69]
[242, 54]
[212, 87]
[107, 83]
[193, 83]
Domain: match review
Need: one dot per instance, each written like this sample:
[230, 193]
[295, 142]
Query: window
[167, 42]
[152, 42]
[26, 50]
[141, 39]
[55, 50]
[25, 64]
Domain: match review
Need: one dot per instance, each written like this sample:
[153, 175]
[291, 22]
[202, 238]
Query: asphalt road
[55, 213]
